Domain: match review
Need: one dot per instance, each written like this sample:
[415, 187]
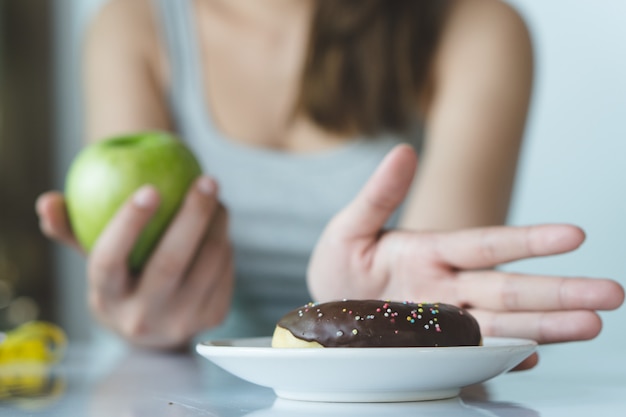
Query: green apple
[106, 173]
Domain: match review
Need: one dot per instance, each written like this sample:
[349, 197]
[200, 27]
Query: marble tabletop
[571, 380]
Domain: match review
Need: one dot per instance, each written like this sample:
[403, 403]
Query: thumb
[380, 196]
[53, 220]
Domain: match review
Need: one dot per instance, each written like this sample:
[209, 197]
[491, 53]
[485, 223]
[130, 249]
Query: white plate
[366, 374]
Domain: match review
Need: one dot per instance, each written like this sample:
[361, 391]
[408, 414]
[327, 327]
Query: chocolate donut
[376, 323]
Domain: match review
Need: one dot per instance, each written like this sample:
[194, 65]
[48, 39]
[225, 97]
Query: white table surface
[570, 381]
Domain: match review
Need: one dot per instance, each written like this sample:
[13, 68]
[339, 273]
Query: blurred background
[573, 166]
[27, 135]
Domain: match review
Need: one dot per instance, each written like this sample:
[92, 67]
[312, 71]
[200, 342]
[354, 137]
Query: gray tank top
[278, 202]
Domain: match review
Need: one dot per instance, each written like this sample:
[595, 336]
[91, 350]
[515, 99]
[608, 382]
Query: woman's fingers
[528, 363]
[53, 220]
[175, 251]
[543, 327]
[492, 246]
[216, 305]
[208, 291]
[108, 261]
[385, 190]
[166, 317]
[501, 291]
[211, 267]
[174, 297]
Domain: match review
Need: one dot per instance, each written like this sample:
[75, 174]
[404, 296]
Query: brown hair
[367, 62]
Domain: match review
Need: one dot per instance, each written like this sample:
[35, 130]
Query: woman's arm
[353, 259]
[123, 73]
[186, 285]
[475, 115]
[475, 120]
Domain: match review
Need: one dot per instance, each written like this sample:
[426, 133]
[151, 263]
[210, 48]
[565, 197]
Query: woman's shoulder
[491, 27]
[485, 40]
[124, 11]
[487, 14]
[122, 57]
[124, 23]
[124, 34]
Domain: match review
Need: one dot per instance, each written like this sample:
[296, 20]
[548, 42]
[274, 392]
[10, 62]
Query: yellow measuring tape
[27, 355]
[35, 341]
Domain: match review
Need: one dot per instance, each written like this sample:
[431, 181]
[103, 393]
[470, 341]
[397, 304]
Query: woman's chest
[251, 81]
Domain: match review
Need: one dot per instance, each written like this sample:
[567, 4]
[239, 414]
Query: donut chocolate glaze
[376, 323]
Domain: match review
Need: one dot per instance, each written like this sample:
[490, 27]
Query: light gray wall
[574, 163]
[573, 167]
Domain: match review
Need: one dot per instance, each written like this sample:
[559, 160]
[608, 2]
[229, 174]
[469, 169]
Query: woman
[291, 106]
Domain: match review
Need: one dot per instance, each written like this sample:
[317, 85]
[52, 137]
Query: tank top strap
[179, 34]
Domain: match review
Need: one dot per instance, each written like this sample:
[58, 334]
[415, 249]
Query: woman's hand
[357, 258]
[185, 286]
